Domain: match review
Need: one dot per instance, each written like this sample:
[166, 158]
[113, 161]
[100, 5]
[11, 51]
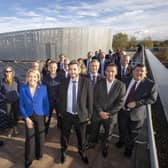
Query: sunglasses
[8, 71]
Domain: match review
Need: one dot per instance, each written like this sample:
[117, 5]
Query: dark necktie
[131, 94]
[123, 72]
[74, 96]
[93, 80]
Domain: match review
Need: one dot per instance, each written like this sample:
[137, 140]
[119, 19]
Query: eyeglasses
[8, 71]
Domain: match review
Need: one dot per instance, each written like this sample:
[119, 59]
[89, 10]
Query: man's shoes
[90, 145]
[128, 153]
[105, 152]
[119, 144]
[63, 156]
[28, 164]
[1, 143]
[83, 157]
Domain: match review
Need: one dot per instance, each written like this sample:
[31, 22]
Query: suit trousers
[68, 121]
[131, 129]
[34, 139]
[47, 124]
[108, 125]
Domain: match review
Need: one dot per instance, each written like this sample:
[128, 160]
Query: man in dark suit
[76, 105]
[94, 76]
[124, 69]
[103, 63]
[108, 100]
[60, 63]
[140, 92]
[88, 60]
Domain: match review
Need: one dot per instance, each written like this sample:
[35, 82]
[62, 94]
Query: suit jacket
[99, 77]
[106, 62]
[84, 98]
[127, 74]
[111, 102]
[145, 93]
[38, 104]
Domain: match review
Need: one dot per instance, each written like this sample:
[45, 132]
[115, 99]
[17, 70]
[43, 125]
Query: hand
[131, 105]
[104, 115]
[29, 123]
[46, 119]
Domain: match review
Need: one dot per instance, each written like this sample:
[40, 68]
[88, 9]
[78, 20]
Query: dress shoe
[128, 153]
[119, 144]
[28, 164]
[105, 152]
[83, 157]
[63, 156]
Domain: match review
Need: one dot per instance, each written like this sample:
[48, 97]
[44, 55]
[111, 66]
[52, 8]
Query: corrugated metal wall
[49, 43]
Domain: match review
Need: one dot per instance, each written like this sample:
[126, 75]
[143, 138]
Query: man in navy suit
[76, 106]
[124, 69]
[140, 92]
[88, 60]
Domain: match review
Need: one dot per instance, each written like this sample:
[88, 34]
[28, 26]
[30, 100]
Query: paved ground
[12, 153]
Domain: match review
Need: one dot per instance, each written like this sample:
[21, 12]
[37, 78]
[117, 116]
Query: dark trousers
[108, 125]
[47, 124]
[129, 130]
[34, 139]
[69, 120]
[12, 110]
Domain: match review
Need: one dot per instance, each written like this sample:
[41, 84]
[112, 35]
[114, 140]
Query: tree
[132, 42]
[120, 40]
[147, 42]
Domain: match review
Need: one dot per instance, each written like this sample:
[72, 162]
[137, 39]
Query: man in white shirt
[108, 100]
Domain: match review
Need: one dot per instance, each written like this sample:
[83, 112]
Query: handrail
[151, 139]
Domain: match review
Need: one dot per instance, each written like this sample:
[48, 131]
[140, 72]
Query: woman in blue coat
[34, 105]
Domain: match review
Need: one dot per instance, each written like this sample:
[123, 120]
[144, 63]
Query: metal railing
[151, 139]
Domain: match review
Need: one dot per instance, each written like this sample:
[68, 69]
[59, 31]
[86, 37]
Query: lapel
[27, 91]
[112, 89]
[140, 87]
[80, 84]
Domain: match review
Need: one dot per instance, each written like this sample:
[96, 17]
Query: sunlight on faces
[139, 73]
[8, 73]
[33, 77]
[74, 71]
[53, 68]
[111, 72]
[125, 59]
[94, 67]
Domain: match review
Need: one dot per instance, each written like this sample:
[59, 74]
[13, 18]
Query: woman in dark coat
[9, 94]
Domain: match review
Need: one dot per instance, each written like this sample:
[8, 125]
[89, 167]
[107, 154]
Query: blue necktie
[123, 72]
[74, 96]
[94, 80]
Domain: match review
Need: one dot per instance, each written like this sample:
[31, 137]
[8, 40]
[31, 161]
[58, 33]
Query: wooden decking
[12, 153]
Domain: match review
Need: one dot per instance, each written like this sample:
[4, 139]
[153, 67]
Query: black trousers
[47, 124]
[129, 130]
[108, 125]
[69, 120]
[34, 139]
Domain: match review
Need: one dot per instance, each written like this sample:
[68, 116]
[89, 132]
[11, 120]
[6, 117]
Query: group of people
[109, 92]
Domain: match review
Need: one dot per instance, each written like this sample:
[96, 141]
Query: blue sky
[140, 18]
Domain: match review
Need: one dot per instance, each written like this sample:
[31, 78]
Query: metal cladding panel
[50, 43]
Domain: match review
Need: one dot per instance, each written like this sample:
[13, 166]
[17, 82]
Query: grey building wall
[49, 43]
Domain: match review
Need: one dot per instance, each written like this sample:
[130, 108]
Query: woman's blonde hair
[31, 70]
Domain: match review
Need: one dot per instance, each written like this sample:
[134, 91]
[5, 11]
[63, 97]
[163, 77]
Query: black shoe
[91, 145]
[119, 144]
[105, 152]
[28, 164]
[1, 143]
[128, 153]
[63, 156]
[83, 157]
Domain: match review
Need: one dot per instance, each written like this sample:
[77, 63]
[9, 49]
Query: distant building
[49, 43]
